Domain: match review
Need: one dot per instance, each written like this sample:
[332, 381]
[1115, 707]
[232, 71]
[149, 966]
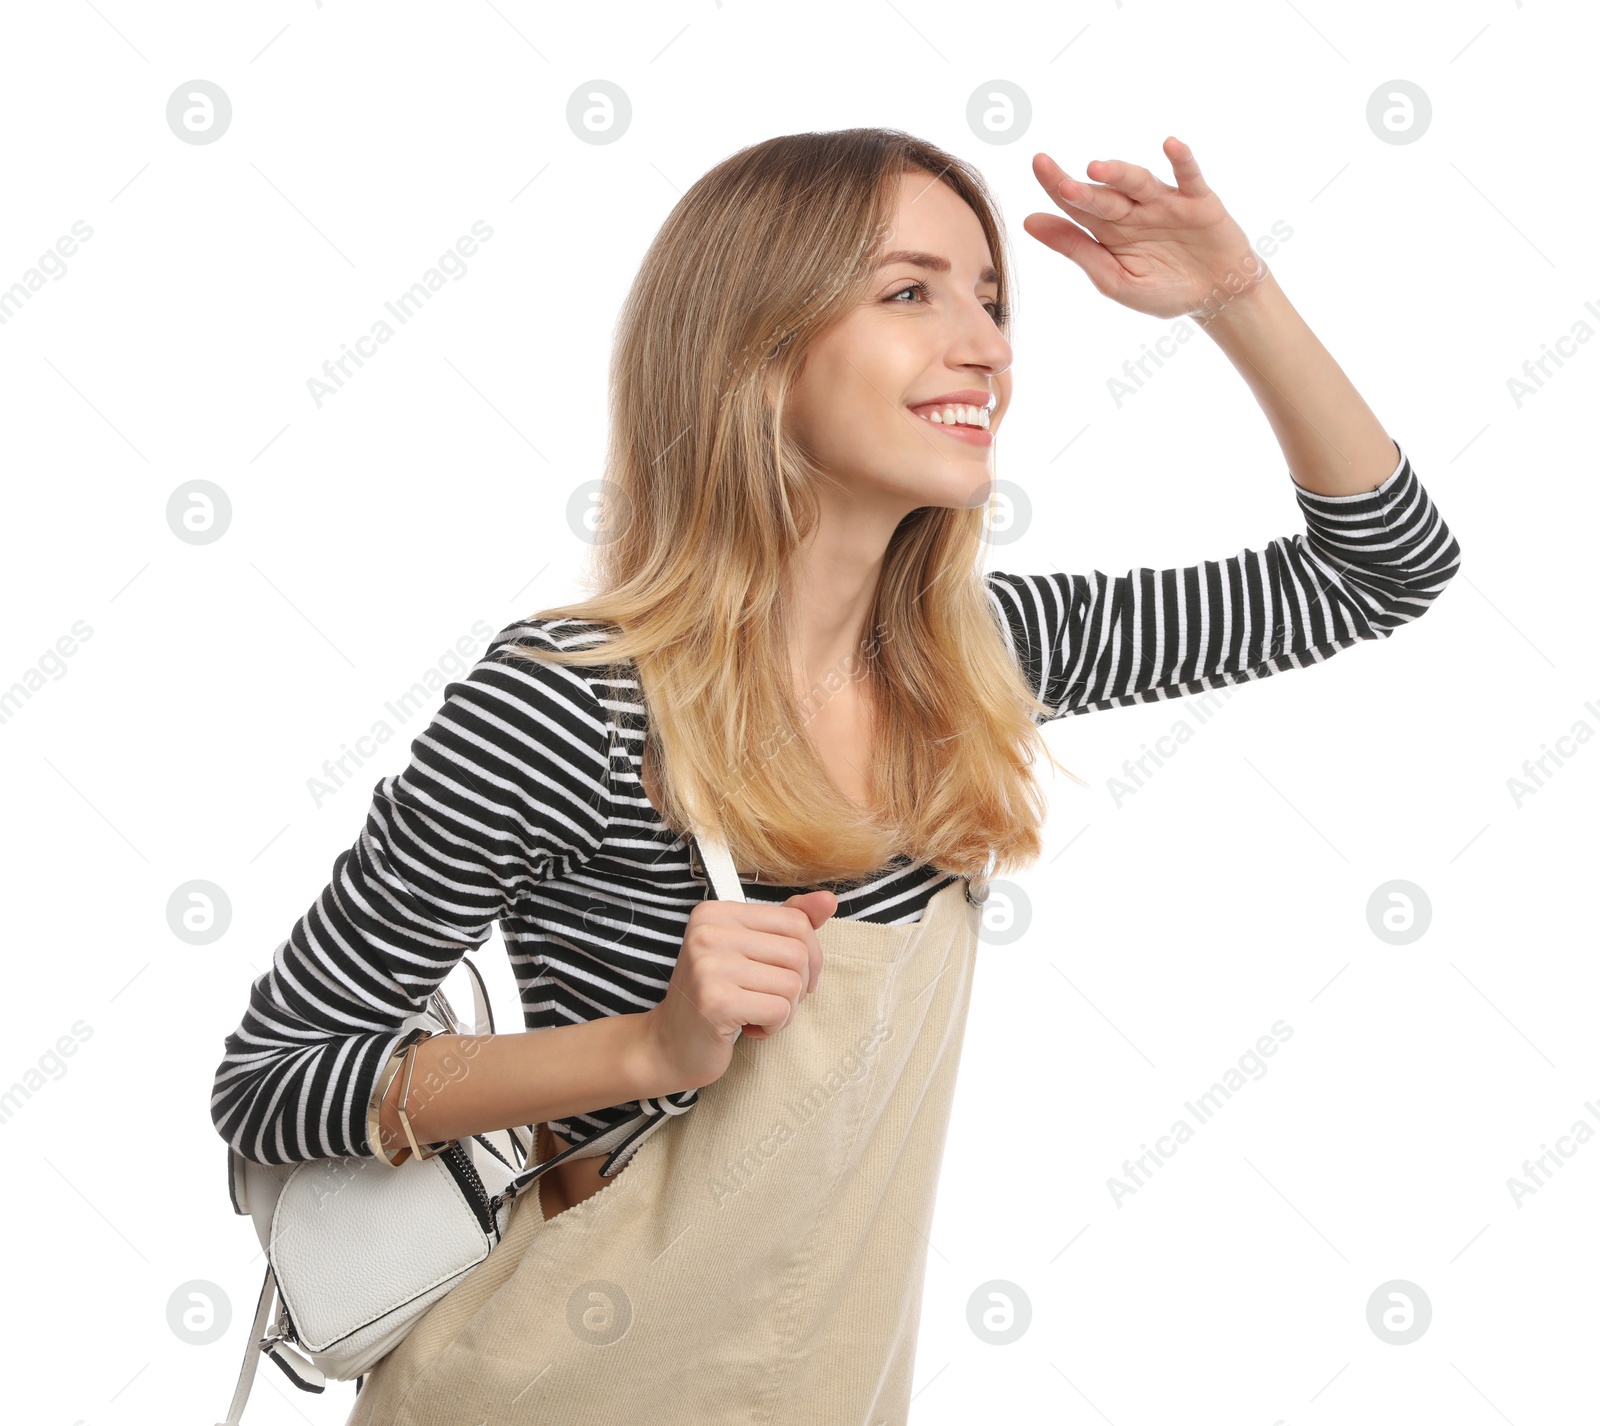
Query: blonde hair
[705, 505]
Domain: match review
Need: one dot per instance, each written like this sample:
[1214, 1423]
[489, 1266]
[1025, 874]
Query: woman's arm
[1331, 441]
[1375, 553]
[1174, 251]
[1366, 564]
[507, 786]
[474, 1084]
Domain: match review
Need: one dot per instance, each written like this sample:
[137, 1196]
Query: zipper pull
[303, 1373]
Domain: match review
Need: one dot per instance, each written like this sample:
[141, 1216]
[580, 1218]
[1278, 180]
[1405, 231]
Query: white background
[1165, 934]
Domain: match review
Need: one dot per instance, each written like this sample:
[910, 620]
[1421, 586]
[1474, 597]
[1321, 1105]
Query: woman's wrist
[395, 1153]
[1237, 315]
[650, 1071]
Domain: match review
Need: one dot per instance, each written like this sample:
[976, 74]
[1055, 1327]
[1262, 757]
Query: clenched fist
[744, 967]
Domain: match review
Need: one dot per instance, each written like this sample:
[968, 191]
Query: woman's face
[863, 400]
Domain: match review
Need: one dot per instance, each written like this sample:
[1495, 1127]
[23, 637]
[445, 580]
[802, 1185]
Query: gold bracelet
[375, 1108]
[391, 1068]
[400, 1110]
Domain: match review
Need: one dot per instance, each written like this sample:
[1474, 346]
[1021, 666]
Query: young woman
[792, 652]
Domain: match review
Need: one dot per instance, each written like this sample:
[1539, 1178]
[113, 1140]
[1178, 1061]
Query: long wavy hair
[706, 503]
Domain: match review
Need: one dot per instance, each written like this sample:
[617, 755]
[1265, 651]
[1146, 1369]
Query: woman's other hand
[1163, 250]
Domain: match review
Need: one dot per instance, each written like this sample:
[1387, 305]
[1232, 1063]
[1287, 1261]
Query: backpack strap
[717, 860]
[301, 1372]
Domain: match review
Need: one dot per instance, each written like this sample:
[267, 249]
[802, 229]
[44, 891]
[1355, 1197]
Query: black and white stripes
[1365, 565]
[522, 806]
[507, 787]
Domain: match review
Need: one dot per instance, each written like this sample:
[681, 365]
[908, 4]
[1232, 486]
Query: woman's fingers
[1088, 203]
[1119, 188]
[1185, 169]
[1066, 238]
[769, 993]
[775, 981]
[1096, 206]
[1139, 184]
[1144, 243]
[800, 954]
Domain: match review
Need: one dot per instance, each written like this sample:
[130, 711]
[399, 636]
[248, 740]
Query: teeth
[959, 416]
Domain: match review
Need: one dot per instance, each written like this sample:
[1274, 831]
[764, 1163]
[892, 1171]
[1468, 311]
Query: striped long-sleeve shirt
[522, 806]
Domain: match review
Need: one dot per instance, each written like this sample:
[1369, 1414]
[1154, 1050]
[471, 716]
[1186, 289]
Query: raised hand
[1163, 250]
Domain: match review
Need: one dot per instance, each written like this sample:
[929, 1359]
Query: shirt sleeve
[507, 787]
[1366, 564]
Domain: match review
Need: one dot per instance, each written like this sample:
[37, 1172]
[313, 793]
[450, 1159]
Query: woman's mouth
[960, 422]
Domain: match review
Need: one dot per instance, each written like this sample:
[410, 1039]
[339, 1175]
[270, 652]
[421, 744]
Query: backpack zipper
[286, 1329]
[460, 1164]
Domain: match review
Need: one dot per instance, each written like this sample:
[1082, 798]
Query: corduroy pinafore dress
[761, 1257]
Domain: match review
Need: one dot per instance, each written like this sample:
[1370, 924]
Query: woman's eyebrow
[932, 261]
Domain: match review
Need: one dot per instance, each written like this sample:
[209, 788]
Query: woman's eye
[996, 309]
[921, 287]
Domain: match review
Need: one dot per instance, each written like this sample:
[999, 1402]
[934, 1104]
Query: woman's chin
[975, 497]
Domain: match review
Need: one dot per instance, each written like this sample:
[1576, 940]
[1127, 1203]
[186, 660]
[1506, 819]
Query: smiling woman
[818, 431]
[787, 740]
[888, 359]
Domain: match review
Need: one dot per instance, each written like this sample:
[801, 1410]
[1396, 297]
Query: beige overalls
[761, 1257]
